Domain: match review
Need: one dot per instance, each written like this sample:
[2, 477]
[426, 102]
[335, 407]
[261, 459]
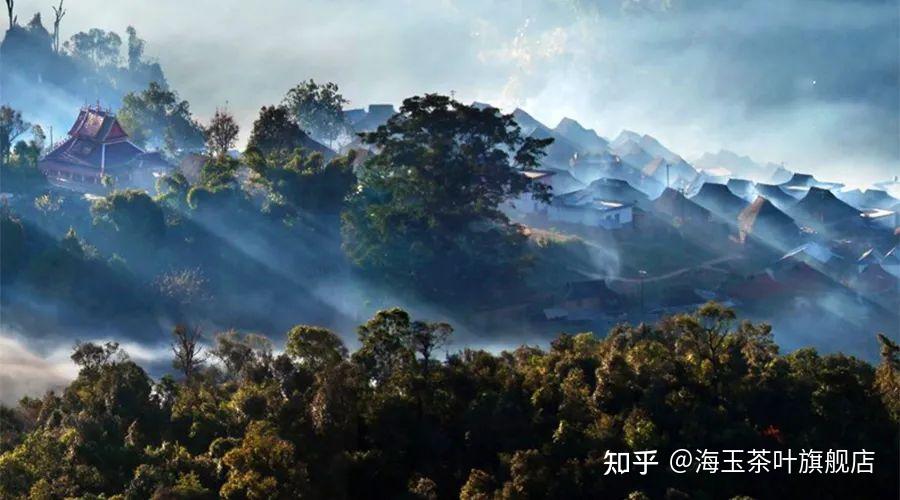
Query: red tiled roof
[97, 125]
[95, 138]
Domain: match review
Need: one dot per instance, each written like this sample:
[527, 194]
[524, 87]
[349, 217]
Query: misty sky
[813, 83]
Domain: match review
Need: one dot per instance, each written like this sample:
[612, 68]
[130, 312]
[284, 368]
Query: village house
[584, 208]
[98, 146]
[526, 203]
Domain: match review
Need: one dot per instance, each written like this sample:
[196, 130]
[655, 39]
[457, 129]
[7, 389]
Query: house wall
[588, 216]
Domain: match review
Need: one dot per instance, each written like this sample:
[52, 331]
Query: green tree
[318, 110]
[131, 213]
[315, 348]
[135, 48]
[263, 466]
[300, 182]
[888, 375]
[156, 117]
[221, 133]
[427, 210]
[275, 131]
[97, 46]
[11, 126]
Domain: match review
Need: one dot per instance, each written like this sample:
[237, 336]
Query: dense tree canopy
[98, 46]
[318, 110]
[11, 126]
[427, 212]
[274, 131]
[300, 181]
[221, 133]
[395, 421]
[156, 117]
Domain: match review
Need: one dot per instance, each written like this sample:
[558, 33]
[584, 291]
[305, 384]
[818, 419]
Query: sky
[811, 83]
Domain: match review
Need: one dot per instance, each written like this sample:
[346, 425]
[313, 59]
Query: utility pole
[642, 273]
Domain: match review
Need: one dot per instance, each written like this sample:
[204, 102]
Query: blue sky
[812, 83]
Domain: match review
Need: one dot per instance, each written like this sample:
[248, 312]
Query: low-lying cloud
[812, 83]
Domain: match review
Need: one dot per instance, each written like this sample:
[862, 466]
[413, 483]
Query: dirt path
[678, 272]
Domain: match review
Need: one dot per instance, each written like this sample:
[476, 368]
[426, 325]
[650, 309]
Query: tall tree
[221, 133]
[98, 46]
[427, 214]
[187, 350]
[10, 4]
[58, 14]
[135, 48]
[11, 126]
[318, 109]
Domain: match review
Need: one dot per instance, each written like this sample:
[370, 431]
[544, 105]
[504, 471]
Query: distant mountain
[779, 175]
[740, 166]
[632, 153]
[528, 123]
[625, 137]
[868, 199]
[652, 146]
[586, 139]
[677, 174]
[589, 168]
[560, 153]
[630, 143]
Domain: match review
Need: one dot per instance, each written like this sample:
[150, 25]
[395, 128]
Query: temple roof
[98, 125]
[87, 153]
[96, 138]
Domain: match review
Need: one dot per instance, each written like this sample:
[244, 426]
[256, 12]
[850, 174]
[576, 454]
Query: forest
[393, 420]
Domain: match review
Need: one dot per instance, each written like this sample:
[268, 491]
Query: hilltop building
[98, 146]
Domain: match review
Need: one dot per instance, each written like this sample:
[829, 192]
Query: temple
[98, 146]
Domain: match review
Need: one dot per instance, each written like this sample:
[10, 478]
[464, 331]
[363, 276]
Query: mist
[779, 81]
